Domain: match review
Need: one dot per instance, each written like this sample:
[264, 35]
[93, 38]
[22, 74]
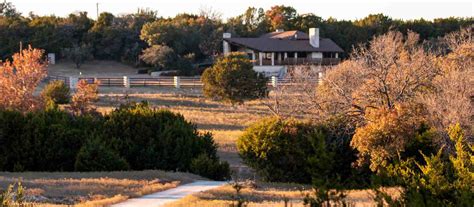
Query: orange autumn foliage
[86, 94]
[19, 79]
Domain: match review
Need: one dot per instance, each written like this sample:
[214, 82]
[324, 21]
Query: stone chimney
[226, 46]
[314, 37]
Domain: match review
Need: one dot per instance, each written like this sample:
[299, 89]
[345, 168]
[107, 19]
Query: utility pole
[97, 7]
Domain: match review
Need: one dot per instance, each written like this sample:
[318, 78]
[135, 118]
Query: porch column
[273, 58]
[260, 58]
[296, 57]
[286, 55]
[337, 55]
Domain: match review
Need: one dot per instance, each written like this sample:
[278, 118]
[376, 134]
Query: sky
[339, 9]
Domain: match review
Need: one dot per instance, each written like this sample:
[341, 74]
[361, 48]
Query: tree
[8, 10]
[19, 79]
[281, 17]
[78, 54]
[386, 135]
[56, 92]
[251, 23]
[160, 56]
[232, 79]
[450, 101]
[298, 98]
[391, 70]
[305, 21]
[86, 94]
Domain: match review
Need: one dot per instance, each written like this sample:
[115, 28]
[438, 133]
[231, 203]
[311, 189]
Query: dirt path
[164, 197]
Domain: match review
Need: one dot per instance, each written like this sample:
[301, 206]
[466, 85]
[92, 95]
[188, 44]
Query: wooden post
[73, 82]
[274, 81]
[273, 58]
[177, 83]
[126, 82]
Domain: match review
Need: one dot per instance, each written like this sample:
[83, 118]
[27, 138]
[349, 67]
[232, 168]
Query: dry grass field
[269, 194]
[94, 188]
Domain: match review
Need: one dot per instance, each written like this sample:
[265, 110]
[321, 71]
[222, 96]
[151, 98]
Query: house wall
[317, 55]
[226, 47]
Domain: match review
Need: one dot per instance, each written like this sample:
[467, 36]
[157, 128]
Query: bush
[232, 79]
[438, 180]
[96, 156]
[295, 151]
[277, 149]
[54, 140]
[210, 168]
[156, 139]
[86, 94]
[57, 92]
[42, 141]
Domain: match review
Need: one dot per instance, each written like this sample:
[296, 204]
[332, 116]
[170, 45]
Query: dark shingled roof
[285, 42]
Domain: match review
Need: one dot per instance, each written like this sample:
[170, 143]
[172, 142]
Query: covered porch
[293, 58]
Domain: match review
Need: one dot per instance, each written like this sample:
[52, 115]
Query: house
[273, 52]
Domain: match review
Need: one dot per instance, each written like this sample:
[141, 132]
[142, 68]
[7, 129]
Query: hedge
[134, 137]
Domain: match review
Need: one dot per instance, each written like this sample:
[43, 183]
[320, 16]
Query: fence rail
[177, 82]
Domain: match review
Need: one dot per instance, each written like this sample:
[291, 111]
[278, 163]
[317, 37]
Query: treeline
[186, 39]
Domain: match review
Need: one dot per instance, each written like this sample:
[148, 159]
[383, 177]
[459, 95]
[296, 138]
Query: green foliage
[251, 23]
[11, 197]
[437, 181]
[123, 37]
[136, 134]
[277, 149]
[156, 139]
[211, 168]
[78, 54]
[8, 10]
[294, 151]
[95, 155]
[232, 79]
[41, 141]
[327, 184]
[57, 92]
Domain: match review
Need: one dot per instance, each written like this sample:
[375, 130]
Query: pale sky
[340, 9]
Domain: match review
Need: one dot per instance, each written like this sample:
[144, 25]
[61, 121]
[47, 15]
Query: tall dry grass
[93, 188]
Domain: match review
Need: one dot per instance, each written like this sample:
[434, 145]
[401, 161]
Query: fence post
[274, 81]
[177, 82]
[73, 82]
[320, 77]
[126, 82]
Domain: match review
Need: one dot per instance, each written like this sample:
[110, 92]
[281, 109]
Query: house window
[302, 54]
[268, 55]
